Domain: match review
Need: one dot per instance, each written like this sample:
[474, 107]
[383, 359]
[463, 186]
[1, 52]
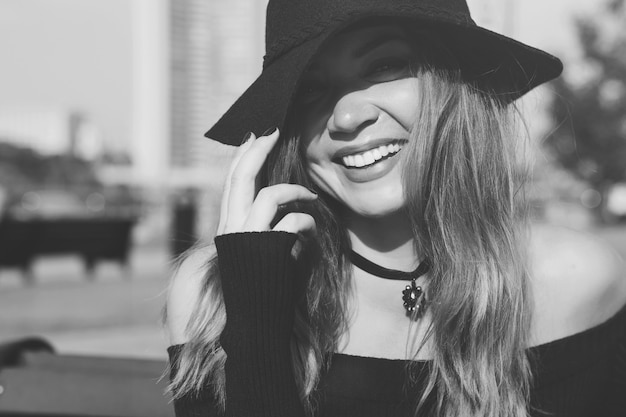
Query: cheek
[401, 100]
[323, 175]
[317, 166]
[313, 152]
[312, 125]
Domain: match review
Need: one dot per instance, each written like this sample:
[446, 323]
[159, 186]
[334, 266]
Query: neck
[387, 241]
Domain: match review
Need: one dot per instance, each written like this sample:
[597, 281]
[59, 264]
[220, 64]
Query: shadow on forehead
[429, 41]
[479, 60]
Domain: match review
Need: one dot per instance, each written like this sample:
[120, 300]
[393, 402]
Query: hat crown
[291, 22]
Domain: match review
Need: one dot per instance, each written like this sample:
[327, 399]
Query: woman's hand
[242, 211]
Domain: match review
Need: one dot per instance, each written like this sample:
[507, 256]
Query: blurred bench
[21, 241]
[43, 384]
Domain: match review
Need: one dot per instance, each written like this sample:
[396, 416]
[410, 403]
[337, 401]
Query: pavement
[116, 312]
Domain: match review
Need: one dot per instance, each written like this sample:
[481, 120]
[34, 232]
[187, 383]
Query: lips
[362, 156]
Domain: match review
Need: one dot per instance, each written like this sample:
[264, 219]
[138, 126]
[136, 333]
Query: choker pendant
[413, 296]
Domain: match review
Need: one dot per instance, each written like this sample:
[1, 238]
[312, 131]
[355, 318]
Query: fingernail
[247, 137]
[312, 190]
[270, 131]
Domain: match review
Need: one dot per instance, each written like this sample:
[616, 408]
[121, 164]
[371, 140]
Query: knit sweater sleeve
[258, 276]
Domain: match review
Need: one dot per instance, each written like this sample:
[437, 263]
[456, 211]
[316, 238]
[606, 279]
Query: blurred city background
[105, 174]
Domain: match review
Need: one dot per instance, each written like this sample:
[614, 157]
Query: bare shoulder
[578, 281]
[184, 289]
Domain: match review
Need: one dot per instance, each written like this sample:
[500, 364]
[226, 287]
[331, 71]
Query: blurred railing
[93, 239]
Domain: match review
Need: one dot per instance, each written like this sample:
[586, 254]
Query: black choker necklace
[414, 296]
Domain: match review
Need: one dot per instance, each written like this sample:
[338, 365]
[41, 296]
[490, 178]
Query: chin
[378, 214]
[375, 207]
[372, 200]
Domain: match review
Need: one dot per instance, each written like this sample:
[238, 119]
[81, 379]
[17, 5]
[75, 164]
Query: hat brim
[484, 57]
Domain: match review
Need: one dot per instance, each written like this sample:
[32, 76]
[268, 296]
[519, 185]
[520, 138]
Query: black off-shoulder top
[583, 375]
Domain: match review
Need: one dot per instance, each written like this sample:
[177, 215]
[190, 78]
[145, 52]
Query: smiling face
[356, 107]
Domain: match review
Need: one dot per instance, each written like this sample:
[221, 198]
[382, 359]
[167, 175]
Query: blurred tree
[590, 138]
[120, 158]
[23, 169]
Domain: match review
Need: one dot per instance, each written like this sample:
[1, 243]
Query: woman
[373, 255]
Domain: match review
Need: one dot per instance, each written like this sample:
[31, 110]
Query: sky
[73, 54]
[77, 54]
[547, 23]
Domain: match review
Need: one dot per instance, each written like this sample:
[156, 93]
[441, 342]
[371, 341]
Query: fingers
[224, 211]
[267, 201]
[251, 159]
[242, 211]
[241, 186]
[299, 223]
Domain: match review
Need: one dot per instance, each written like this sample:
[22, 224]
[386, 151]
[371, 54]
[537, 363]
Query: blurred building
[193, 58]
[191, 73]
[215, 52]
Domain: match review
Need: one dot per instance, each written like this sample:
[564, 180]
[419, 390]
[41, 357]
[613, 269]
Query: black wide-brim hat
[296, 29]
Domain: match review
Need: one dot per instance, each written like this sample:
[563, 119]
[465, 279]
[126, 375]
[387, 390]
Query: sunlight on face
[355, 107]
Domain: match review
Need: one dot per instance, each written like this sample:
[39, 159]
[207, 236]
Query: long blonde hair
[465, 198]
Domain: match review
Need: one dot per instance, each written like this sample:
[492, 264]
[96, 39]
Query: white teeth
[371, 156]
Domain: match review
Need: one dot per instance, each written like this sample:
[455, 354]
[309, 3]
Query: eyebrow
[376, 42]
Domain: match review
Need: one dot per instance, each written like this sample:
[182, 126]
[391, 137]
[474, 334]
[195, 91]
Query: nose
[352, 112]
